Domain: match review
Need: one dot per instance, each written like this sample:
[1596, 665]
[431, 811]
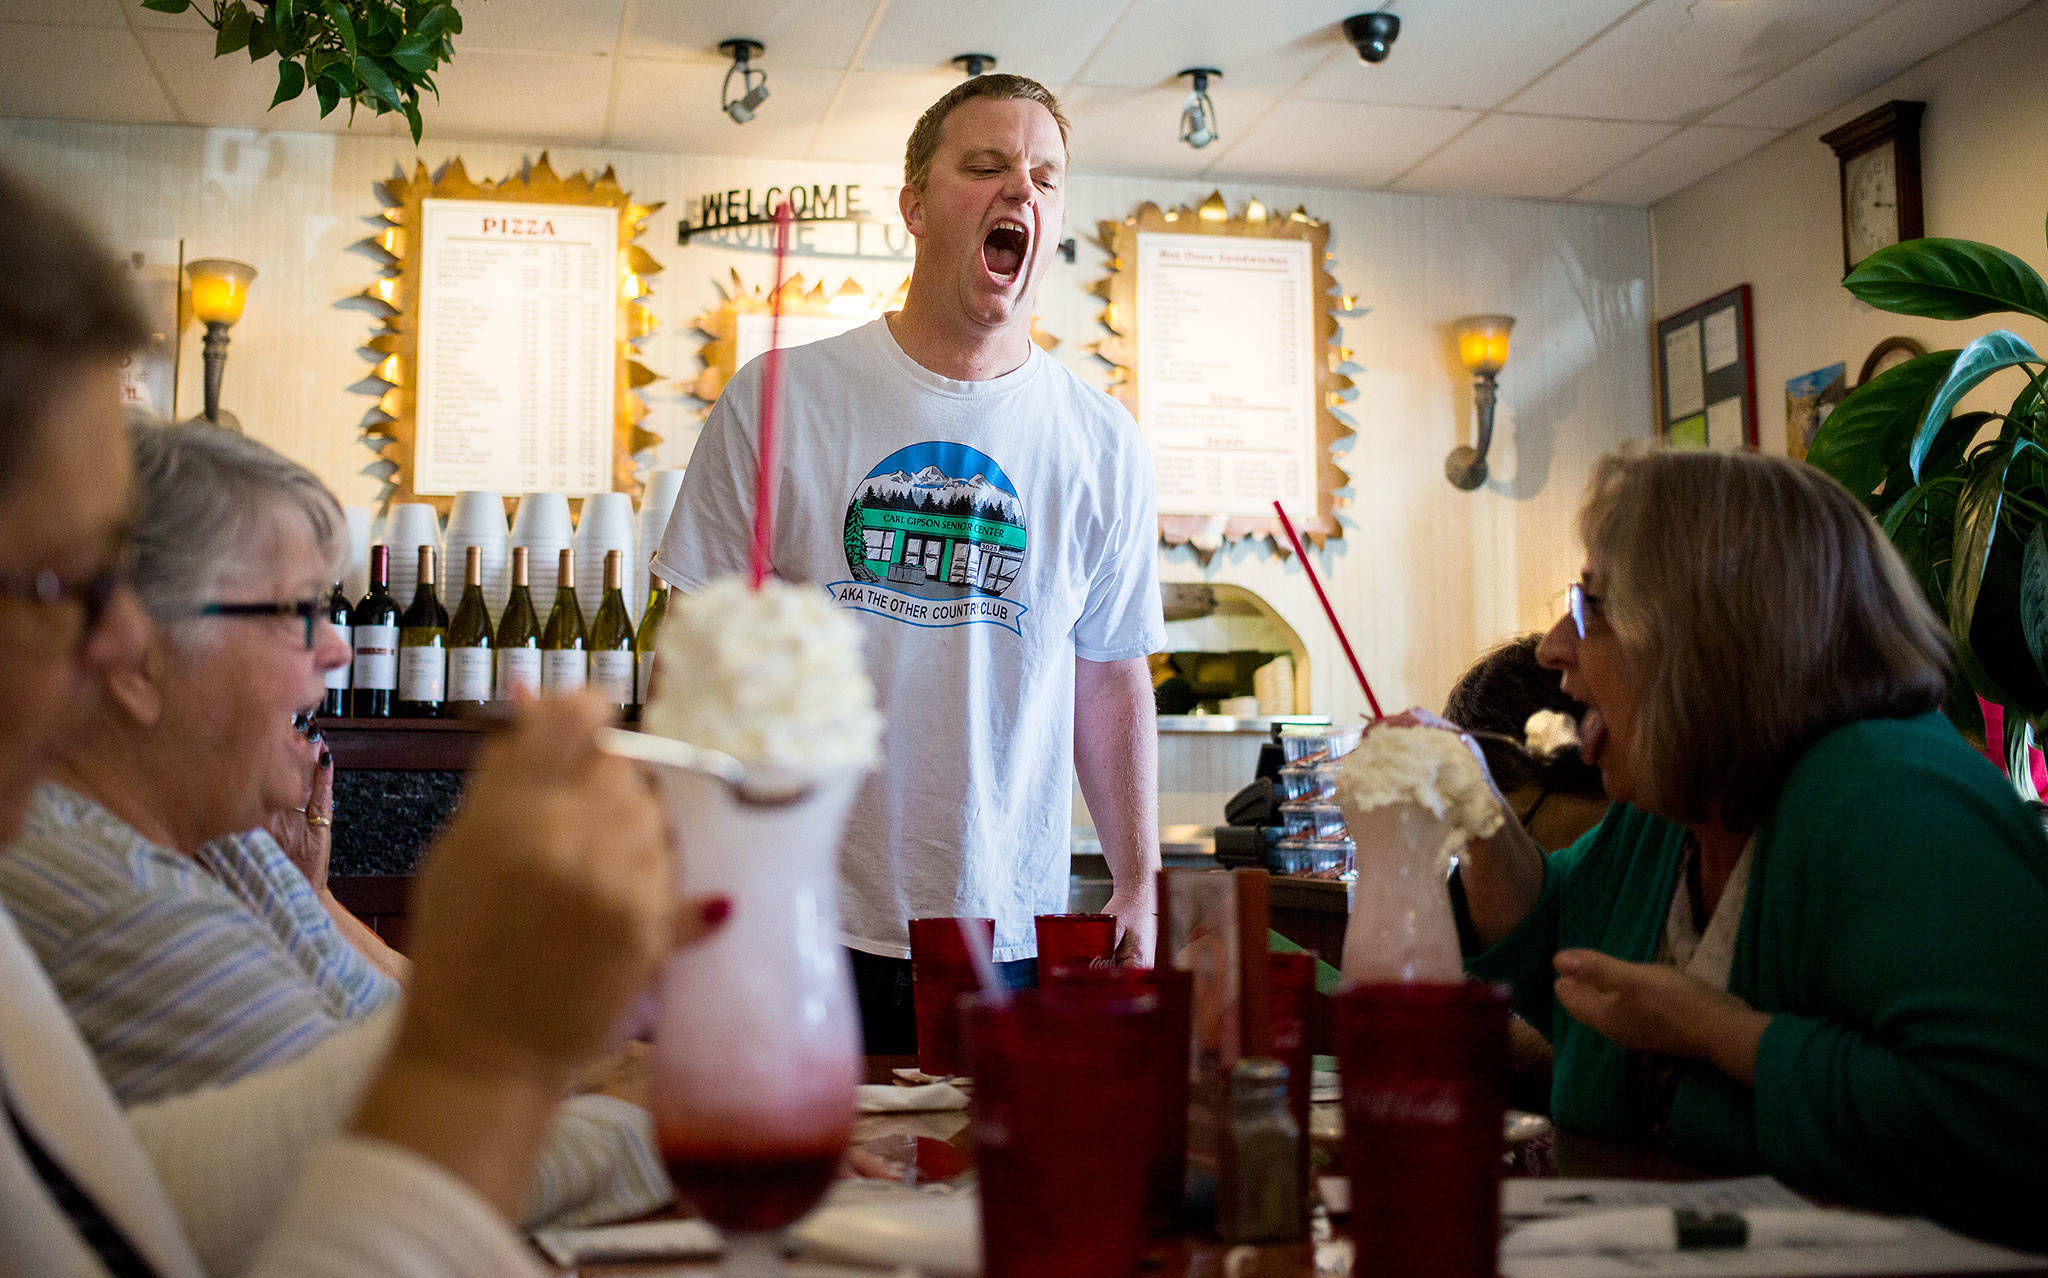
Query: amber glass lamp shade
[220, 287]
[1483, 343]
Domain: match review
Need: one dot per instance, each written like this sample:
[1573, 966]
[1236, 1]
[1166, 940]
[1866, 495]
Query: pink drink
[1074, 938]
[940, 972]
[1290, 998]
[744, 1191]
[1425, 1088]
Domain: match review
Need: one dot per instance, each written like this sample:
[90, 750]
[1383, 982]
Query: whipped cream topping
[1427, 767]
[772, 677]
[1550, 733]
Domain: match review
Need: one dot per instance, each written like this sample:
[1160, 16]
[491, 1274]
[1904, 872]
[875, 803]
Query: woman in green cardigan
[1808, 938]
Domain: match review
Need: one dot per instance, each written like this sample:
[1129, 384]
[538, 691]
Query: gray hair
[208, 502]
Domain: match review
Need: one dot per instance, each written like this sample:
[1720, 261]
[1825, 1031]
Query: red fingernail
[717, 910]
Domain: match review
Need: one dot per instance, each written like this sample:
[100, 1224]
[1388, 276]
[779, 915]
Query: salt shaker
[1260, 1200]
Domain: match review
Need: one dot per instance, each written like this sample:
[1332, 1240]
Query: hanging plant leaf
[1875, 422]
[233, 32]
[167, 6]
[379, 82]
[1948, 279]
[1995, 350]
[291, 82]
[344, 27]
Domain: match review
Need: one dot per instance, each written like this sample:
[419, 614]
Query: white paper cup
[606, 524]
[355, 579]
[656, 505]
[541, 525]
[409, 526]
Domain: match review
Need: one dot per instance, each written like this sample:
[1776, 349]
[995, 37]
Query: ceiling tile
[875, 115]
[798, 33]
[1356, 144]
[234, 93]
[1118, 131]
[1541, 157]
[65, 13]
[1862, 60]
[673, 106]
[78, 73]
[544, 98]
[541, 26]
[1674, 164]
[1677, 60]
[1047, 41]
[1156, 39]
[1452, 53]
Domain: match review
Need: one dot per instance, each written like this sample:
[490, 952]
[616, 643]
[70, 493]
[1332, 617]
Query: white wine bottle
[423, 648]
[643, 641]
[375, 641]
[518, 637]
[469, 639]
[611, 639]
[564, 643]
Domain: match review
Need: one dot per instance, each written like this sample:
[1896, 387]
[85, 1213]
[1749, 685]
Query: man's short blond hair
[924, 139]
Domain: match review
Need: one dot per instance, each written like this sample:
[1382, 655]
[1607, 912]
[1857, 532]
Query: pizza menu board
[518, 315]
[1227, 372]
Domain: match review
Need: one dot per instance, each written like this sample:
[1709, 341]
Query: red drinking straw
[1328, 611]
[771, 385]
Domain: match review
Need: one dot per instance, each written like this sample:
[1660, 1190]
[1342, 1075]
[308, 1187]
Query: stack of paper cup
[656, 505]
[542, 526]
[410, 525]
[478, 519]
[355, 577]
[606, 524]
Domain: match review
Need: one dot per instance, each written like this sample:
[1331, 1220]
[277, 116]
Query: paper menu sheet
[1227, 361]
[1685, 390]
[518, 319]
[1543, 1196]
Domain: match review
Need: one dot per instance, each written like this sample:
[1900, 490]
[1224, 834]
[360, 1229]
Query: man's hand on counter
[1137, 925]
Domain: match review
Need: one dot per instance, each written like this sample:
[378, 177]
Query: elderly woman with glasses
[1806, 940]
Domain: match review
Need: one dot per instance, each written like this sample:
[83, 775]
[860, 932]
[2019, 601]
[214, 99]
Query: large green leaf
[1976, 529]
[1948, 279]
[1995, 350]
[1872, 428]
[1922, 527]
[2034, 598]
[1984, 591]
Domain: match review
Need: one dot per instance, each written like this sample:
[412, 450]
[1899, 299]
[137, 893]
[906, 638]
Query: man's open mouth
[1003, 249]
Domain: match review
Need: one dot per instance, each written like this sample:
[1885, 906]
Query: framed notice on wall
[518, 317]
[1224, 339]
[1705, 360]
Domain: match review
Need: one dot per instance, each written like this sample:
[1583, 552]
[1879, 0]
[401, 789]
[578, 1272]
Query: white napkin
[884, 1098]
[619, 1244]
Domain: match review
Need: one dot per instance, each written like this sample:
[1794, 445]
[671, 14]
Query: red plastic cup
[1290, 1000]
[1425, 1088]
[1063, 1186]
[1074, 938]
[1165, 1129]
[940, 972]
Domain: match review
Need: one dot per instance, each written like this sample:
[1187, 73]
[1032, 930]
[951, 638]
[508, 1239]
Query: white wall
[1773, 221]
[1425, 576]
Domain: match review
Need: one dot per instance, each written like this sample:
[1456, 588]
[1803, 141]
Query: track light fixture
[1198, 116]
[974, 64]
[753, 84]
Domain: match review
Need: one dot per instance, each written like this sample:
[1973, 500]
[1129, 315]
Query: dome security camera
[1372, 34]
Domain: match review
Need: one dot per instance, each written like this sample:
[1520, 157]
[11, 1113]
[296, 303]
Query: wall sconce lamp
[1198, 116]
[219, 289]
[753, 89]
[1483, 350]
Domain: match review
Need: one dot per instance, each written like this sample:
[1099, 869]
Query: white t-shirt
[986, 534]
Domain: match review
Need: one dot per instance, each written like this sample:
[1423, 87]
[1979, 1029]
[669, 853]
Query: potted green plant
[373, 53]
[1963, 495]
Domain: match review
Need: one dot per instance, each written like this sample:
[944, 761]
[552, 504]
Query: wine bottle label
[611, 672]
[376, 658]
[645, 680]
[423, 674]
[564, 669]
[518, 668]
[469, 674]
[339, 676]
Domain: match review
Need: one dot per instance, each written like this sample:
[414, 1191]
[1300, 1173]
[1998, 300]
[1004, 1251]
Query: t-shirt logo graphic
[935, 536]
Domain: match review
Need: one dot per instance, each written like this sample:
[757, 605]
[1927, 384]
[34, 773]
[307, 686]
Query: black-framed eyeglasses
[93, 592]
[307, 610]
[1584, 605]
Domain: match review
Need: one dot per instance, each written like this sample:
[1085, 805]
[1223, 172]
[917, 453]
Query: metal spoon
[645, 747]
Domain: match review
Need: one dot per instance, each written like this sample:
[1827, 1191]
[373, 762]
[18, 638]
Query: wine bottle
[423, 648]
[565, 644]
[518, 636]
[335, 704]
[643, 642]
[611, 639]
[469, 639]
[375, 639]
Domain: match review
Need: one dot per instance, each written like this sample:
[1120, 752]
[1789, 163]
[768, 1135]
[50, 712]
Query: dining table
[944, 1142]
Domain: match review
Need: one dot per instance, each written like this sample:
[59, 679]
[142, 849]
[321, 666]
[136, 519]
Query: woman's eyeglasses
[307, 610]
[1584, 606]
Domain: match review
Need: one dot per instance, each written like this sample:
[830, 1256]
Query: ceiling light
[974, 64]
[753, 85]
[1198, 116]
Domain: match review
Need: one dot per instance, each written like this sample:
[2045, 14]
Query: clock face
[1872, 210]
